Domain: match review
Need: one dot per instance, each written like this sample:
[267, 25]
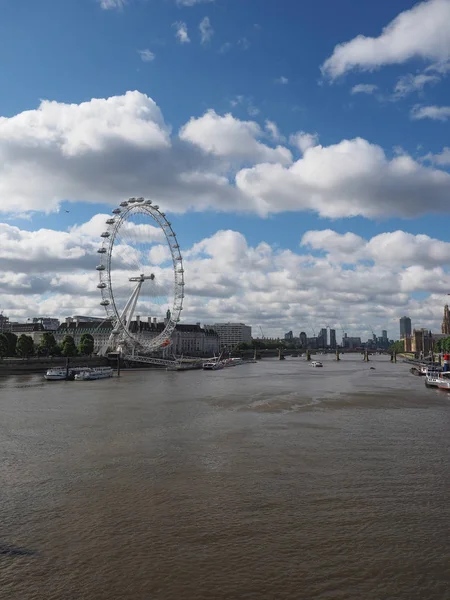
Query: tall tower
[446, 321]
[333, 339]
[405, 327]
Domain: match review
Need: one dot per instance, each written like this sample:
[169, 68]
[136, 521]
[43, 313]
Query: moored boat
[62, 374]
[212, 366]
[94, 373]
[233, 362]
[184, 366]
[437, 378]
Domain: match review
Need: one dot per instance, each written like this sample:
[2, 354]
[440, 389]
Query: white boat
[316, 363]
[61, 374]
[212, 366]
[94, 373]
[184, 366]
[439, 379]
[233, 362]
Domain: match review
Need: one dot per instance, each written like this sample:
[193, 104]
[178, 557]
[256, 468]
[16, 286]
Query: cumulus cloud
[421, 32]
[107, 149]
[282, 80]
[351, 178]
[436, 113]
[181, 32]
[303, 140]
[206, 30]
[335, 278]
[397, 249]
[230, 138]
[442, 159]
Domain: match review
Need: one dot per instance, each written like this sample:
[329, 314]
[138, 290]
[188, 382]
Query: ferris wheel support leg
[131, 299]
[134, 299]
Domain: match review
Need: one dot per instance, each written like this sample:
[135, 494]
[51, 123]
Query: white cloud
[191, 2]
[351, 178]
[436, 113]
[274, 132]
[147, 55]
[303, 140]
[397, 249]
[420, 32]
[231, 139]
[364, 88]
[346, 246]
[112, 4]
[441, 67]
[282, 80]
[413, 83]
[107, 149]
[443, 158]
[352, 281]
[182, 32]
[159, 254]
[206, 30]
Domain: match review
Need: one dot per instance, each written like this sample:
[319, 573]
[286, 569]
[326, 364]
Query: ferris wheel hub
[142, 278]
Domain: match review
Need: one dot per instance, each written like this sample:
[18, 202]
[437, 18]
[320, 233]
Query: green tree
[25, 346]
[397, 347]
[3, 346]
[48, 344]
[86, 344]
[68, 347]
[12, 342]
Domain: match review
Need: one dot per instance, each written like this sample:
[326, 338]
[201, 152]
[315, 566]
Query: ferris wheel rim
[119, 217]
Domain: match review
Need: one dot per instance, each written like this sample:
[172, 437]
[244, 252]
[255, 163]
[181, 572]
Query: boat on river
[316, 363]
[437, 378]
[184, 366]
[62, 374]
[94, 373]
[213, 366]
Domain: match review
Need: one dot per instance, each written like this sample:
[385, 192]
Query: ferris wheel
[141, 275]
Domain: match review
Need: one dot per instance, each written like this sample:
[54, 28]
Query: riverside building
[232, 334]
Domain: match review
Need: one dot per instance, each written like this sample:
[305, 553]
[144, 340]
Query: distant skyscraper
[384, 335]
[333, 339]
[446, 321]
[303, 339]
[405, 327]
[322, 338]
[289, 335]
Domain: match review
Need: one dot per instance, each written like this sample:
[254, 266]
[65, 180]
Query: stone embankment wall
[16, 366]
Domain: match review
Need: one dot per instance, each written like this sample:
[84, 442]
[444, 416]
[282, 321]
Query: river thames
[262, 482]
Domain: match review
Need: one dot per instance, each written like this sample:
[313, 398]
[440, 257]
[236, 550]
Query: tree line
[24, 347]
[440, 346]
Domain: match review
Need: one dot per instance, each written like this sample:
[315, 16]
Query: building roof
[74, 326]
[26, 327]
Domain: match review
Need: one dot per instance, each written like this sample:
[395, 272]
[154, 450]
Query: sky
[300, 150]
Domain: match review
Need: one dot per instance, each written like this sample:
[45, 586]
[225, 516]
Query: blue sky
[262, 62]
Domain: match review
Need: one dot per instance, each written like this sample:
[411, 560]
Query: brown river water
[265, 481]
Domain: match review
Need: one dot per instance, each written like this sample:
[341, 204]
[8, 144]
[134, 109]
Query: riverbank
[18, 366]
